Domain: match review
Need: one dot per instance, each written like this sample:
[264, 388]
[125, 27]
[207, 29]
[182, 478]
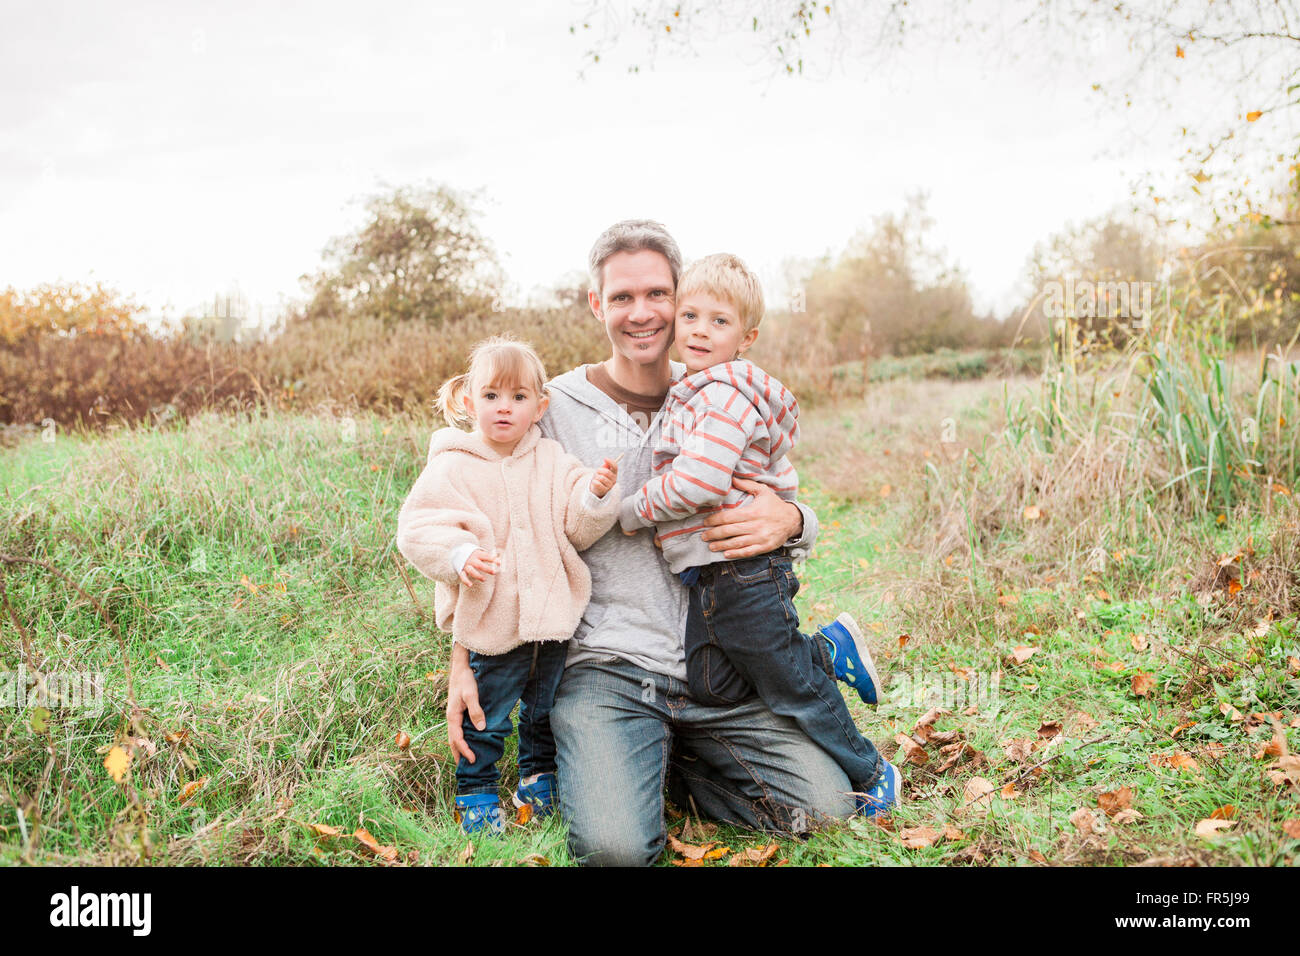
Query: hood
[574, 384]
[775, 404]
[471, 443]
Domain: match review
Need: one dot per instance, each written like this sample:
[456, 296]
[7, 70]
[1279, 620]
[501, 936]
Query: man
[622, 714]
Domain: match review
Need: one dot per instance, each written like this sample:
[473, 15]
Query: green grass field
[262, 645]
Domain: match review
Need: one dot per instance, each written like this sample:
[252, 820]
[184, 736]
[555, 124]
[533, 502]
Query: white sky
[172, 152]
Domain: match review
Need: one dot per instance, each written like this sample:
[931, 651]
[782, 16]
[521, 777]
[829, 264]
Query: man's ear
[593, 300]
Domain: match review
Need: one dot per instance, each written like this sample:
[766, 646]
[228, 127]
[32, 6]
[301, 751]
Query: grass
[277, 646]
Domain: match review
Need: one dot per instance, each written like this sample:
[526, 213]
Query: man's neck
[652, 379]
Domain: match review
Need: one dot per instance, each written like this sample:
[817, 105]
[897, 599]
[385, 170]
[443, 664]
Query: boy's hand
[478, 566]
[605, 478]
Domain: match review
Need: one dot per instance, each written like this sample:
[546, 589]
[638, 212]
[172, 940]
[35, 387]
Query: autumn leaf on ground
[1021, 653]
[911, 751]
[1033, 513]
[403, 740]
[1225, 812]
[467, 854]
[1128, 815]
[1209, 829]
[323, 829]
[1084, 821]
[927, 719]
[1007, 600]
[1049, 729]
[1139, 642]
[754, 856]
[917, 838]
[535, 859]
[708, 851]
[117, 763]
[191, 788]
[978, 792]
[1291, 828]
[1143, 684]
[386, 853]
[1017, 750]
[1113, 801]
[1179, 760]
[523, 814]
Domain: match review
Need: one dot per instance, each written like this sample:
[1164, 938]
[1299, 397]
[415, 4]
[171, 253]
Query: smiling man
[623, 717]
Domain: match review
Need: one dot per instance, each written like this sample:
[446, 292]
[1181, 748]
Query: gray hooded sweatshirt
[637, 610]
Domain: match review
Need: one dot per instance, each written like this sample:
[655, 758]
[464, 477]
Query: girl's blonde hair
[501, 361]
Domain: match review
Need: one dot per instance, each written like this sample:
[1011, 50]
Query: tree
[1133, 53]
[418, 256]
[889, 291]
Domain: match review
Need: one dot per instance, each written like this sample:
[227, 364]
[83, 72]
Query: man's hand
[761, 526]
[477, 567]
[605, 478]
[462, 697]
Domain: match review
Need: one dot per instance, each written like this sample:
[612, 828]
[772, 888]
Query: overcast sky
[172, 151]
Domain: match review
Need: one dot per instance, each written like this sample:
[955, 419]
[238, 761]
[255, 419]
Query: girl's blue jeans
[527, 675]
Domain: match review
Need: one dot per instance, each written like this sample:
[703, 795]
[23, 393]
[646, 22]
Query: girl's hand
[479, 565]
[605, 478]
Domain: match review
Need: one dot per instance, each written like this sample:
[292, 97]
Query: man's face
[637, 306]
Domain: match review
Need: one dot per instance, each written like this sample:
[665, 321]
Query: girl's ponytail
[451, 401]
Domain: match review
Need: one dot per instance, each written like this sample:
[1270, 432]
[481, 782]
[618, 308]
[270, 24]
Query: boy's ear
[747, 341]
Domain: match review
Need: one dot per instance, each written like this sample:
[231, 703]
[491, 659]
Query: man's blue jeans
[528, 675]
[615, 728]
[742, 638]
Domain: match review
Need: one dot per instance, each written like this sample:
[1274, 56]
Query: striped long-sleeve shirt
[728, 420]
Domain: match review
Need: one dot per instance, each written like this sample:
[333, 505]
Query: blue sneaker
[852, 660]
[539, 792]
[479, 812]
[884, 796]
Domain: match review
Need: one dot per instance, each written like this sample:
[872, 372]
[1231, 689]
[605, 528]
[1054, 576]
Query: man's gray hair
[632, 235]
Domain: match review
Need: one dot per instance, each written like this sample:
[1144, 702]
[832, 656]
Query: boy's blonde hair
[725, 277]
[501, 361]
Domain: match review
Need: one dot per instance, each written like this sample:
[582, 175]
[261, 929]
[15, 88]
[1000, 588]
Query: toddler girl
[497, 519]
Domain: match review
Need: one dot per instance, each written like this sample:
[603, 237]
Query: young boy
[728, 419]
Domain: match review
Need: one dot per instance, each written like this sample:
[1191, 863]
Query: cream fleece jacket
[533, 508]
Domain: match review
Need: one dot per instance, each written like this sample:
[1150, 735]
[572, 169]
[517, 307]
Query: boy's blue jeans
[529, 675]
[742, 638]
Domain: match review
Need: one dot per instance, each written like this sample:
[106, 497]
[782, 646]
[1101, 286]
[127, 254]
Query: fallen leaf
[952, 834]
[386, 853]
[1253, 115]
[903, 639]
[1139, 642]
[690, 851]
[1291, 828]
[1049, 729]
[523, 814]
[1181, 727]
[1209, 829]
[117, 763]
[1225, 812]
[1008, 599]
[323, 829]
[1037, 857]
[917, 838]
[912, 752]
[1127, 815]
[191, 788]
[1022, 653]
[403, 740]
[1033, 513]
[978, 791]
[1018, 750]
[535, 859]
[930, 716]
[1009, 792]
[1084, 821]
[754, 856]
[1142, 684]
[1113, 801]
[467, 854]
[1179, 760]
[1230, 712]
